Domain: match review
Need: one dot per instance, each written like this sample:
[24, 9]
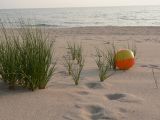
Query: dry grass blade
[154, 77]
[99, 58]
[133, 47]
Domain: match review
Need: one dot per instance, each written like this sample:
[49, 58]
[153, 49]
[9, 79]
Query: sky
[7, 4]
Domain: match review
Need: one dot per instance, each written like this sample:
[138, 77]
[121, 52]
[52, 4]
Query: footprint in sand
[90, 112]
[82, 92]
[67, 118]
[150, 66]
[98, 112]
[124, 97]
[94, 85]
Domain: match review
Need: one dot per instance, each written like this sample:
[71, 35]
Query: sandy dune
[126, 95]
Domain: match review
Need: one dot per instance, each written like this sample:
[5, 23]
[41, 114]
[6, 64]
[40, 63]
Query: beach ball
[124, 59]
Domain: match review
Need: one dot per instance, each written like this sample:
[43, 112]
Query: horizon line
[79, 7]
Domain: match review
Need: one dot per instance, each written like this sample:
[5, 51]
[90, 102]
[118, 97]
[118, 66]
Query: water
[77, 17]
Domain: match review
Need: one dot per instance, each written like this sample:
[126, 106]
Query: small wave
[45, 25]
[73, 22]
[96, 23]
[126, 18]
[41, 25]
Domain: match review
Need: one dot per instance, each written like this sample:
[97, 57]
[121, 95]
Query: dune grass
[110, 56]
[10, 63]
[72, 49]
[99, 57]
[75, 50]
[37, 56]
[68, 63]
[10, 59]
[102, 64]
[76, 71]
[79, 56]
[103, 72]
[27, 58]
[74, 61]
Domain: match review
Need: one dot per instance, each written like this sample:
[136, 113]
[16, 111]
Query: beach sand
[126, 95]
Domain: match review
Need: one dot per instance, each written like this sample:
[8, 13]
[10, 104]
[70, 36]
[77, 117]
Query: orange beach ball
[124, 59]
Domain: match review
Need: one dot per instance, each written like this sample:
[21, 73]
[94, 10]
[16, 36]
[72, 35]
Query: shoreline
[52, 26]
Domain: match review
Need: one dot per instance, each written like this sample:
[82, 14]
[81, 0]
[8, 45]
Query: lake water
[77, 17]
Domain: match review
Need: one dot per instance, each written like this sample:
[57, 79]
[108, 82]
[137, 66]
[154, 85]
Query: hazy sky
[72, 3]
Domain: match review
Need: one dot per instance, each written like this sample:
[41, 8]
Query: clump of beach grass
[27, 58]
[38, 60]
[105, 60]
[10, 59]
[102, 64]
[74, 61]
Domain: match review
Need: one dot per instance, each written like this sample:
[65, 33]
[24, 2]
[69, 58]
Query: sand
[126, 95]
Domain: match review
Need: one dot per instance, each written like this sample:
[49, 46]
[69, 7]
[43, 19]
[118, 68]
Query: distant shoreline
[66, 27]
[82, 7]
